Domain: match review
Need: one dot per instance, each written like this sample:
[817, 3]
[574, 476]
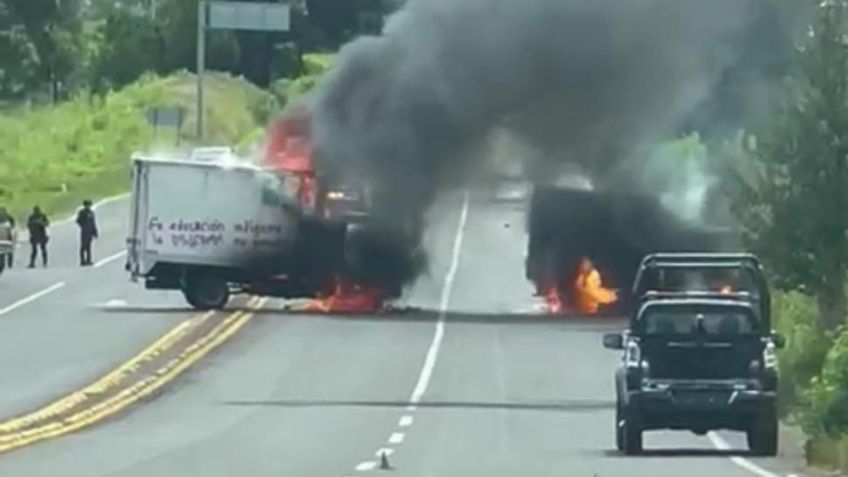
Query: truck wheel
[631, 434]
[619, 429]
[206, 292]
[762, 435]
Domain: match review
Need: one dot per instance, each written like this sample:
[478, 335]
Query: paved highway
[468, 383]
[57, 332]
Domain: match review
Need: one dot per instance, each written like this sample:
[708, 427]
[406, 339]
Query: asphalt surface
[493, 389]
[56, 332]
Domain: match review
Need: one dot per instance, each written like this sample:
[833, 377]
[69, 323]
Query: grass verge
[55, 156]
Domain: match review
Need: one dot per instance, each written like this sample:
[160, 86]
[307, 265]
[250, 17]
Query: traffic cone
[384, 461]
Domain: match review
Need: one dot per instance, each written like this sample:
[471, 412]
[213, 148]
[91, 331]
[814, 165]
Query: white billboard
[249, 16]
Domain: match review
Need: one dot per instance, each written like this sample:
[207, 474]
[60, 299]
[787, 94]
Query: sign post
[220, 15]
[201, 62]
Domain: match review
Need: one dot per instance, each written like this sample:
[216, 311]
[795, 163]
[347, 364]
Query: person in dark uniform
[37, 225]
[88, 232]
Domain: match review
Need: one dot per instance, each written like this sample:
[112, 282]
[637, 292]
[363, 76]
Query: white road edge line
[23, 235]
[721, 444]
[31, 298]
[405, 421]
[95, 206]
[438, 335]
[110, 259]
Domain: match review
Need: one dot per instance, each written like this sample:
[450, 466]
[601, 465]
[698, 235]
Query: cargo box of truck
[211, 229]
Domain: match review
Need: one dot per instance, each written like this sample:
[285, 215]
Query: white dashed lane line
[384, 451]
[397, 438]
[366, 466]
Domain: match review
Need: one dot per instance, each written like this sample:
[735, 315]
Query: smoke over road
[593, 83]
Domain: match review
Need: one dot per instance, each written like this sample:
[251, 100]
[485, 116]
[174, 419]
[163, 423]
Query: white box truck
[211, 229]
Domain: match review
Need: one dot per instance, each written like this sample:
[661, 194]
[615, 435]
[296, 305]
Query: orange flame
[348, 297]
[589, 292]
[554, 300]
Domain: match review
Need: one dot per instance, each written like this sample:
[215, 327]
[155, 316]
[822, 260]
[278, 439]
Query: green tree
[338, 22]
[177, 21]
[54, 29]
[129, 46]
[797, 209]
[17, 56]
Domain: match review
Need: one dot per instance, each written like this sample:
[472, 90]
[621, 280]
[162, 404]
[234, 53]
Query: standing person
[88, 232]
[37, 225]
[6, 218]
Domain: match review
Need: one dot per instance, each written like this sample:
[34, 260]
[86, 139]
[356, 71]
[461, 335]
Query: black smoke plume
[587, 82]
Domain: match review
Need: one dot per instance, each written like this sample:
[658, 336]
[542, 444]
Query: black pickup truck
[698, 359]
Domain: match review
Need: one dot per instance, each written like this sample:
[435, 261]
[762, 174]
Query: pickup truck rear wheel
[631, 433]
[206, 292]
[619, 429]
[762, 435]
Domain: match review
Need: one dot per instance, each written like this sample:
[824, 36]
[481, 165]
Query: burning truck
[279, 228]
[615, 230]
[378, 258]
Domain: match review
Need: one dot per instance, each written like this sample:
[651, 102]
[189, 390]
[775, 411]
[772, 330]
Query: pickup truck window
[730, 323]
[701, 280]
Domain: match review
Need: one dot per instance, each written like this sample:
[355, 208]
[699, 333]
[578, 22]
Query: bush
[317, 63]
[234, 107]
[56, 155]
[827, 397]
[794, 316]
[289, 89]
[77, 148]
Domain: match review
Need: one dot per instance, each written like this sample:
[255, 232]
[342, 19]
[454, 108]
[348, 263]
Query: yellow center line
[106, 382]
[111, 380]
[141, 389]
